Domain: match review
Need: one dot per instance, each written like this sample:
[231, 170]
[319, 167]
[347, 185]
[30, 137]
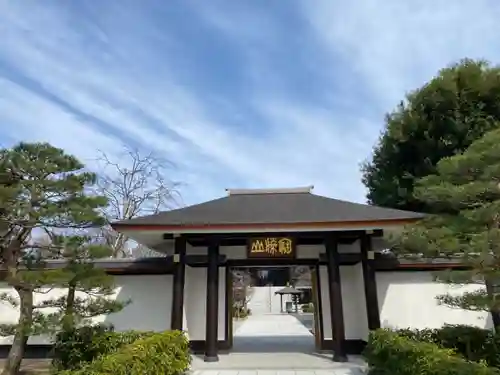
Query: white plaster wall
[408, 300]
[195, 302]
[309, 251]
[233, 252]
[196, 250]
[355, 320]
[150, 309]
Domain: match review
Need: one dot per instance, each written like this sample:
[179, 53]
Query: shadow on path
[276, 342]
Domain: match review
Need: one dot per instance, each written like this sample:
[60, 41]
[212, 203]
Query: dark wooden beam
[389, 263]
[200, 242]
[168, 236]
[370, 282]
[301, 238]
[318, 308]
[344, 259]
[201, 260]
[179, 260]
[229, 308]
[335, 293]
[212, 322]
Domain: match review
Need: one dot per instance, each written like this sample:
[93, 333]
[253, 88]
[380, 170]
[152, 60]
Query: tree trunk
[491, 290]
[118, 246]
[16, 353]
[69, 318]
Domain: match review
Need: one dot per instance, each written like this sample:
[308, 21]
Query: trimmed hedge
[388, 353]
[473, 343]
[241, 312]
[73, 349]
[164, 353]
[308, 308]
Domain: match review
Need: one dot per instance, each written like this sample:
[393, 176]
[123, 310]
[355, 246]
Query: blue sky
[237, 94]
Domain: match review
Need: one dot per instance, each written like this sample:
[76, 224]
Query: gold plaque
[271, 247]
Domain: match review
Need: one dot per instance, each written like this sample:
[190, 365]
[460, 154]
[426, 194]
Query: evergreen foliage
[45, 190]
[465, 194]
[438, 120]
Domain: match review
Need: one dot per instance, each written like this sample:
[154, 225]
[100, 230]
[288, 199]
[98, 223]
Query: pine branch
[48, 189]
[473, 301]
[9, 299]
[465, 193]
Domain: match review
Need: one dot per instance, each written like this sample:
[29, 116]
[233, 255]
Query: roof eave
[345, 225]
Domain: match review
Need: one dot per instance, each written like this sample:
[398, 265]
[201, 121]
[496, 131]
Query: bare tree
[136, 185]
[242, 288]
[300, 273]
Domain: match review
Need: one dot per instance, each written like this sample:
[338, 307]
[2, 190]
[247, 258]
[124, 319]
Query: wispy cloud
[236, 94]
[395, 46]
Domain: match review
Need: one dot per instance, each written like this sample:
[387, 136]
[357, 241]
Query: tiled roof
[272, 207]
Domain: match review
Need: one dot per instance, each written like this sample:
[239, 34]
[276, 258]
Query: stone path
[276, 344]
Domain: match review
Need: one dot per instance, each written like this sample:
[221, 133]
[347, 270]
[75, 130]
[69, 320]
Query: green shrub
[164, 353]
[308, 307]
[388, 353]
[473, 343]
[72, 349]
[241, 312]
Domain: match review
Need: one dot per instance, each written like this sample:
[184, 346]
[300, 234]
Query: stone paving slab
[338, 371]
[275, 344]
[277, 363]
[273, 325]
[237, 323]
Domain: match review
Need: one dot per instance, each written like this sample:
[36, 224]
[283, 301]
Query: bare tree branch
[135, 186]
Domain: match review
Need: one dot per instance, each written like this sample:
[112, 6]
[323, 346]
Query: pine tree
[465, 193]
[89, 288]
[43, 188]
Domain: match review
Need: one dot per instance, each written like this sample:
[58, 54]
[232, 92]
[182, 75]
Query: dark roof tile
[272, 208]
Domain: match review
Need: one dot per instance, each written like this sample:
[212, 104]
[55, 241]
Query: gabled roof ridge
[297, 206]
[295, 190]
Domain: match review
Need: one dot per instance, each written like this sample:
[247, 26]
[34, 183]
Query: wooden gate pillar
[212, 322]
[335, 292]
[176, 316]
[370, 282]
